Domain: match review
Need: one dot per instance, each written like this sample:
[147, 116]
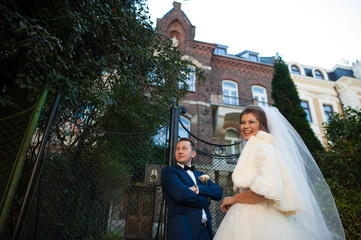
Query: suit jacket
[185, 206]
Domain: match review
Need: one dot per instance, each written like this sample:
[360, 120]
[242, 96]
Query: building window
[231, 137]
[295, 70]
[230, 93]
[163, 134]
[318, 74]
[328, 112]
[253, 57]
[187, 124]
[306, 108]
[260, 94]
[221, 49]
[191, 80]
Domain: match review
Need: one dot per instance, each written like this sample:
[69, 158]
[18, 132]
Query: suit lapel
[184, 174]
[196, 175]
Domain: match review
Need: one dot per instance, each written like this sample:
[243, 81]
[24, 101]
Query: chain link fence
[97, 184]
[92, 186]
[12, 136]
[217, 161]
[12, 131]
[219, 169]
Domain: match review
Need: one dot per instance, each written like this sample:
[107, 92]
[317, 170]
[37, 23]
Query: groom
[187, 197]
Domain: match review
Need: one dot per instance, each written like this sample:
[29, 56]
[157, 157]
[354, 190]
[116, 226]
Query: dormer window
[295, 70]
[253, 57]
[319, 75]
[249, 55]
[221, 50]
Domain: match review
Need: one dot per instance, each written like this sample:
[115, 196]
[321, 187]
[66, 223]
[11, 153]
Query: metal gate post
[173, 132]
[173, 138]
[9, 194]
[35, 176]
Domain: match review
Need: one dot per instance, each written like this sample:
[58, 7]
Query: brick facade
[210, 116]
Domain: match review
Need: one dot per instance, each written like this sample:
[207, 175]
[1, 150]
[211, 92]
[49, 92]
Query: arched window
[231, 137]
[295, 70]
[319, 75]
[230, 93]
[182, 132]
[260, 94]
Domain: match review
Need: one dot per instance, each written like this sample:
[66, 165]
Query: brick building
[232, 81]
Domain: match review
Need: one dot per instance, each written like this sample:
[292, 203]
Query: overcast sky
[319, 33]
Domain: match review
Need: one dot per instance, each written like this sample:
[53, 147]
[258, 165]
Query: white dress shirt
[191, 174]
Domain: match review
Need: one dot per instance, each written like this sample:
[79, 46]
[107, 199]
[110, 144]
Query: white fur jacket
[260, 169]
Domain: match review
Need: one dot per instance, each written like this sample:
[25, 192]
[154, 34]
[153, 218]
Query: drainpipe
[339, 99]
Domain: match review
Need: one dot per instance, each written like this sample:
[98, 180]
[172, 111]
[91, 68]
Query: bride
[281, 193]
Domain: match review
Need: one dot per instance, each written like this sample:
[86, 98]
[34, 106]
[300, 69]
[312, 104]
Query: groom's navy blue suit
[185, 206]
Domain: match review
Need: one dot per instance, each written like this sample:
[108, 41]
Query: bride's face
[249, 126]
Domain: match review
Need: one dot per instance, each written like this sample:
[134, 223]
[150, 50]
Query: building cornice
[312, 81]
[199, 103]
[349, 81]
[202, 45]
[233, 64]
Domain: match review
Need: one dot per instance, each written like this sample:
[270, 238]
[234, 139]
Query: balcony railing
[235, 101]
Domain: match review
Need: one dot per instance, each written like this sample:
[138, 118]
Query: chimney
[177, 5]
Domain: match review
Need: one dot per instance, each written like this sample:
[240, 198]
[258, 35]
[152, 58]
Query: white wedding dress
[272, 165]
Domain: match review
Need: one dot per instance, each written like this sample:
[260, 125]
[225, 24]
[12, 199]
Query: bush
[349, 208]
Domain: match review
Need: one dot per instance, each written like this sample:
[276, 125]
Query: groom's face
[184, 153]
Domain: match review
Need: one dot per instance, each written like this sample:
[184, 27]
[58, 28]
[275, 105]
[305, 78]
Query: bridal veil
[317, 215]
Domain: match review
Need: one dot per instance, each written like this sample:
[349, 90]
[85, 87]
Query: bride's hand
[227, 203]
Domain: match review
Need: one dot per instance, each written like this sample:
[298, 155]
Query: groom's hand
[194, 189]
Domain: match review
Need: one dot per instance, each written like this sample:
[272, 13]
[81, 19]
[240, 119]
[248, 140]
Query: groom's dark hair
[188, 140]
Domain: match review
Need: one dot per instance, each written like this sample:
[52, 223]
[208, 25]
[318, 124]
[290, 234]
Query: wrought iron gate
[95, 184]
[211, 158]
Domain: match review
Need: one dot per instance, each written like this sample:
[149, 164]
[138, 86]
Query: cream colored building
[324, 92]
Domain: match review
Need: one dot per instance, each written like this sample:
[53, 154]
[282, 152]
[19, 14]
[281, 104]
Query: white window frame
[309, 110]
[262, 99]
[324, 74]
[306, 96]
[164, 132]
[187, 123]
[296, 73]
[324, 112]
[230, 95]
[232, 140]
[191, 80]
[300, 67]
[334, 108]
